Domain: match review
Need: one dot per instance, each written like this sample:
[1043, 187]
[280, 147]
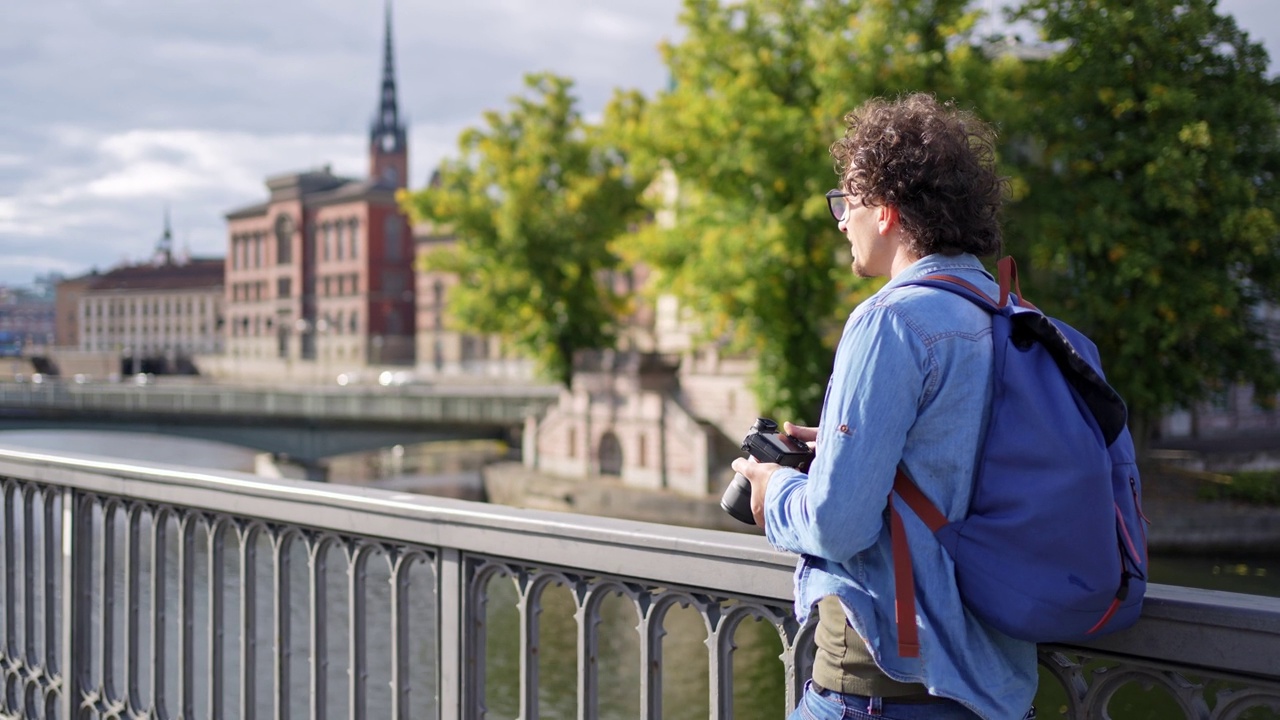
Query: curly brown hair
[932, 161]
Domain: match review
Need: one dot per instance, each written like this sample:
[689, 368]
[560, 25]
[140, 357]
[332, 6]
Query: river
[451, 470]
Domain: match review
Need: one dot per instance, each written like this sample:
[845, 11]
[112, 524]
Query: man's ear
[886, 218]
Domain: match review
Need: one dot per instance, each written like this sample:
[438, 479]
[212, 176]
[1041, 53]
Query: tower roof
[387, 132]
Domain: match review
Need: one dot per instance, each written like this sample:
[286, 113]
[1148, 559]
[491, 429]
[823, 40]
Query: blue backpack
[1053, 548]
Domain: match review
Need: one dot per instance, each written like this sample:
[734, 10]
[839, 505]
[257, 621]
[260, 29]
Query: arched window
[610, 455]
[284, 239]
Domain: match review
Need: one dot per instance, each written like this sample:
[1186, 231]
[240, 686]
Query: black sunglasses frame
[831, 196]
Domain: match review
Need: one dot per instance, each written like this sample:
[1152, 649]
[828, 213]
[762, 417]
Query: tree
[759, 90]
[535, 199]
[1150, 218]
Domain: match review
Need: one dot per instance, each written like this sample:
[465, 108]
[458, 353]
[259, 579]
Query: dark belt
[904, 699]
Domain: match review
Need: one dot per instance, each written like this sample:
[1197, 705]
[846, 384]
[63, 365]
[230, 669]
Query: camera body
[764, 443]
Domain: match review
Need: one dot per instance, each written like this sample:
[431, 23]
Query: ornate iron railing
[132, 590]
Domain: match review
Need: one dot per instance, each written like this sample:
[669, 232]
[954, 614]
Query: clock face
[388, 142]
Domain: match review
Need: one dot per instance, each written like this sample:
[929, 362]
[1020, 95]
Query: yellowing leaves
[1196, 135]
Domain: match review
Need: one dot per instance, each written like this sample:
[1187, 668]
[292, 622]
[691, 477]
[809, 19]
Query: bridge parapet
[494, 404]
[152, 591]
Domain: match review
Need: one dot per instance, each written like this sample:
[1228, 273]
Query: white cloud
[102, 203]
[33, 265]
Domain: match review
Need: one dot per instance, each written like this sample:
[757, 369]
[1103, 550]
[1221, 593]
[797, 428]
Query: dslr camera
[764, 443]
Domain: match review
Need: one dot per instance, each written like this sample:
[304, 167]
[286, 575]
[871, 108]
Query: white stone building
[156, 317]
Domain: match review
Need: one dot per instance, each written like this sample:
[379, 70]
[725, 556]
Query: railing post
[453, 631]
[70, 658]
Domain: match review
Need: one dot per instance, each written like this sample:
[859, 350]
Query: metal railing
[161, 592]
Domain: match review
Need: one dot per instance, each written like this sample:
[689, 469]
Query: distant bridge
[306, 423]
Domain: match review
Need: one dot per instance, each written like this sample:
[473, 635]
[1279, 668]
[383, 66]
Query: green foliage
[1148, 148]
[1254, 488]
[535, 198]
[759, 89]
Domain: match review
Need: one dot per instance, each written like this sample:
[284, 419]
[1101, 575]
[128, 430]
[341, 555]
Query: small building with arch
[645, 420]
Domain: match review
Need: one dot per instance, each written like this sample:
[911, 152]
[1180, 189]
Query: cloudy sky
[112, 111]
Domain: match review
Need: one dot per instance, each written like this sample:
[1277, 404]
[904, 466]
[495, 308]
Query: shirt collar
[938, 263]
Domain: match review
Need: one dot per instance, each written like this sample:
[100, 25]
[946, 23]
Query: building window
[326, 236]
[437, 304]
[284, 239]
[393, 283]
[337, 241]
[392, 240]
[353, 235]
[284, 287]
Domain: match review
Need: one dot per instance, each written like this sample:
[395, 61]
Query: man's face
[872, 252]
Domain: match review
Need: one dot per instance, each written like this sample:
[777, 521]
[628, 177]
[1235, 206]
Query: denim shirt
[912, 384]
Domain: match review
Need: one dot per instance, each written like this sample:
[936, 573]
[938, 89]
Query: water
[135, 446]
[757, 670]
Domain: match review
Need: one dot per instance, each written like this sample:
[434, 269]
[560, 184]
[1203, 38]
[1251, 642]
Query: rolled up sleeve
[875, 394]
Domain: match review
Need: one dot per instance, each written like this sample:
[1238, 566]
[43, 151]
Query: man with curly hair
[912, 387]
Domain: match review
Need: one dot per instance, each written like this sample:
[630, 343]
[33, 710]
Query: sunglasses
[839, 204]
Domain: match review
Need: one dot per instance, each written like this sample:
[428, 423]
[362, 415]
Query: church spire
[387, 146]
[164, 247]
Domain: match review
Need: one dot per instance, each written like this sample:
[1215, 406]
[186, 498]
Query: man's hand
[803, 433]
[758, 474]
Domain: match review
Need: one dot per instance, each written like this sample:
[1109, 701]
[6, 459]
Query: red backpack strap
[964, 284]
[1008, 270]
[904, 586]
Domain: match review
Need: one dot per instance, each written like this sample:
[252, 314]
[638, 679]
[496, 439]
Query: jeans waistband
[905, 699]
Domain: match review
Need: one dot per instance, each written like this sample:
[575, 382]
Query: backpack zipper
[1142, 526]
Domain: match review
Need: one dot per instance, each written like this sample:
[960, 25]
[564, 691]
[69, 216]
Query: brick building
[321, 272]
[442, 350]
